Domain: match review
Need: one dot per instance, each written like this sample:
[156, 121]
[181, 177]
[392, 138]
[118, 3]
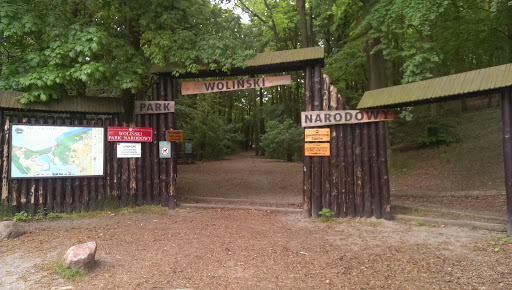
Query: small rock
[80, 256]
[11, 230]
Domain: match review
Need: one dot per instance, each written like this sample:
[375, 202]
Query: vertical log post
[326, 173]
[93, 196]
[77, 187]
[140, 173]
[162, 127]
[115, 166]
[155, 174]
[367, 180]
[171, 95]
[125, 175]
[335, 162]
[24, 184]
[343, 201]
[146, 152]
[506, 115]
[50, 193]
[316, 200]
[59, 195]
[307, 186]
[101, 180]
[3, 163]
[376, 188]
[108, 162]
[349, 161]
[86, 190]
[383, 170]
[358, 174]
[5, 160]
[32, 187]
[40, 187]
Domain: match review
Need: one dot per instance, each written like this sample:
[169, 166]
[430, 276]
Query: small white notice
[128, 150]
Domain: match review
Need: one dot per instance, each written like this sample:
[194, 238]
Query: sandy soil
[247, 249]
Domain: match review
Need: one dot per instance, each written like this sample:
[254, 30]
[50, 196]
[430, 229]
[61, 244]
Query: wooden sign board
[153, 107]
[174, 135]
[317, 134]
[317, 149]
[324, 118]
[192, 88]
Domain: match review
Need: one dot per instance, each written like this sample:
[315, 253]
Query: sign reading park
[130, 134]
[153, 107]
[324, 118]
[191, 88]
[39, 151]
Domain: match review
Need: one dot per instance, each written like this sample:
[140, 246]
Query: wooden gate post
[507, 150]
[316, 200]
[306, 181]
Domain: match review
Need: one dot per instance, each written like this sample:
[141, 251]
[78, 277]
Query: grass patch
[415, 212]
[420, 223]
[69, 273]
[500, 242]
[5, 212]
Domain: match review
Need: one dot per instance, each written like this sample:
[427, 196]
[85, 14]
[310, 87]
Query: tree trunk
[303, 24]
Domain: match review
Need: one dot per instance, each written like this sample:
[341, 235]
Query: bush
[283, 140]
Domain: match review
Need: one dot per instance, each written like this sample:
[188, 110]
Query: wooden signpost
[174, 135]
[192, 88]
[324, 118]
[153, 107]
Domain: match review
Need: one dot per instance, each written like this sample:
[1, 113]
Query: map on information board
[39, 151]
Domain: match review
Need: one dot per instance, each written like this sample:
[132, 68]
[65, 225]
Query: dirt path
[213, 249]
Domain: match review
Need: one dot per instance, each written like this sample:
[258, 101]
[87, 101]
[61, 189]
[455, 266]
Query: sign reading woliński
[130, 134]
[317, 149]
[191, 88]
[317, 134]
[129, 150]
[174, 135]
[323, 118]
[153, 107]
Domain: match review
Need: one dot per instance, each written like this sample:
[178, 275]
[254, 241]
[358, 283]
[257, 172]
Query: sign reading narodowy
[323, 118]
[130, 134]
[153, 107]
[317, 149]
[40, 151]
[174, 135]
[191, 88]
[317, 134]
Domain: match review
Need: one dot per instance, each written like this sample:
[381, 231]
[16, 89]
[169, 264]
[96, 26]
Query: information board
[317, 149]
[317, 135]
[41, 151]
[129, 150]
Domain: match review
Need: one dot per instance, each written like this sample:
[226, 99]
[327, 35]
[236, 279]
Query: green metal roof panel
[456, 85]
[263, 59]
[9, 99]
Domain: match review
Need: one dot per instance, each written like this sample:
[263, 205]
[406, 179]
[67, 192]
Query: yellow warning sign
[317, 149]
[317, 135]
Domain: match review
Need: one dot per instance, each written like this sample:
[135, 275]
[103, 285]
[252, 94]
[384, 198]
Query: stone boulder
[11, 230]
[80, 256]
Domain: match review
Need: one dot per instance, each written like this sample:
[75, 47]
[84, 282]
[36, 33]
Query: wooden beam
[506, 102]
[306, 179]
[316, 200]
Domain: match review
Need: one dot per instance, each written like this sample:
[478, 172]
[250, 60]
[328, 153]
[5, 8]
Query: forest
[58, 48]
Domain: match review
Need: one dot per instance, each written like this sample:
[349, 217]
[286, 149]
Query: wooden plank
[358, 171]
[316, 199]
[50, 193]
[146, 153]
[14, 187]
[325, 118]
[41, 185]
[334, 161]
[24, 184]
[93, 196]
[86, 189]
[125, 175]
[349, 161]
[108, 163]
[155, 170]
[77, 185]
[3, 163]
[115, 167]
[383, 170]
[376, 188]
[5, 159]
[193, 88]
[162, 133]
[367, 180]
[506, 112]
[139, 171]
[172, 165]
[101, 180]
[306, 179]
[326, 162]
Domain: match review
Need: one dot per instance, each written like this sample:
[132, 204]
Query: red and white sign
[130, 134]
[165, 151]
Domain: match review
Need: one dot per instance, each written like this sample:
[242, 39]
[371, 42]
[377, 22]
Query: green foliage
[54, 216]
[326, 215]
[420, 223]
[22, 217]
[5, 212]
[40, 214]
[500, 242]
[438, 131]
[283, 140]
[69, 273]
